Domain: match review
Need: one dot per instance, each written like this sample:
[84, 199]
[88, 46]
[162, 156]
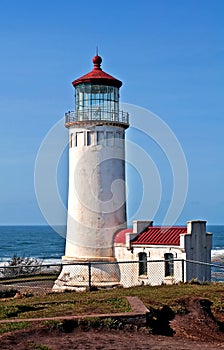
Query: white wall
[155, 267]
[198, 245]
[97, 198]
[195, 246]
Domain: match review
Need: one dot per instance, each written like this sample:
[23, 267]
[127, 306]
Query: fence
[92, 275]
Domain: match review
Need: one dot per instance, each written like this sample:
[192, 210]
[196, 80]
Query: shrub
[8, 293]
[21, 266]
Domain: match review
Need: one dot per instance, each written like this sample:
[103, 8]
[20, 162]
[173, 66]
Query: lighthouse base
[82, 275]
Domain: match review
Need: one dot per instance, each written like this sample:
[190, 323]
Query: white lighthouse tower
[96, 196]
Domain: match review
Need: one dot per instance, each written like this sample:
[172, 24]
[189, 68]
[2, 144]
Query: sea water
[44, 243]
[41, 242]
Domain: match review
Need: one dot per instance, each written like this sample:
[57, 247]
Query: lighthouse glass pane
[97, 113]
[97, 102]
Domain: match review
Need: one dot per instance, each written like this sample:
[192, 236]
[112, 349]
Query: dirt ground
[196, 328]
[100, 340]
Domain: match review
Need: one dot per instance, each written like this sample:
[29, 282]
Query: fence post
[89, 273]
[182, 270]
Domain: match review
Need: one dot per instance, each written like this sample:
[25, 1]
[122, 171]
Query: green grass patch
[30, 278]
[171, 295]
[109, 301]
[10, 327]
[62, 304]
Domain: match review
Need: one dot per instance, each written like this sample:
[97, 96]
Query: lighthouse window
[119, 138]
[71, 140]
[110, 138]
[98, 102]
[79, 139]
[90, 138]
[100, 137]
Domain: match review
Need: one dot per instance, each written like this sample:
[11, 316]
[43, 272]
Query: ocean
[44, 243]
[40, 242]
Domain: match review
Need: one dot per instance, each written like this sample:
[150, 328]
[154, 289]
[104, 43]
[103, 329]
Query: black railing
[154, 274]
[97, 114]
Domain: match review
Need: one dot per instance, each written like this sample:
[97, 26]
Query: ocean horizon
[44, 243]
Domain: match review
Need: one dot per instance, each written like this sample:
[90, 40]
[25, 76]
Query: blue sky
[170, 56]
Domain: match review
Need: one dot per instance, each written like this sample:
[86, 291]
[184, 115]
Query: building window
[90, 138]
[169, 265]
[80, 139]
[119, 138]
[110, 138]
[100, 137]
[142, 264]
[71, 140]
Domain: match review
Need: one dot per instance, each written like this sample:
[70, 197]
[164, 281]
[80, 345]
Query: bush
[21, 266]
[8, 293]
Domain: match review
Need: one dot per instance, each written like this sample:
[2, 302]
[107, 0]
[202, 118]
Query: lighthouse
[96, 193]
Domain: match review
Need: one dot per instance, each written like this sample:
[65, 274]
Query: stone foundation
[82, 276]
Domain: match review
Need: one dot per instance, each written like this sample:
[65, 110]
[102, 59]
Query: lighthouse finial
[97, 60]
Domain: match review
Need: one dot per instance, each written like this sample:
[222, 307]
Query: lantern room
[97, 98]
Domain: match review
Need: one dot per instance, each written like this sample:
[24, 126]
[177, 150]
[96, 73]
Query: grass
[30, 278]
[107, 301]
[61, 304]
[10, 327]
[171, 295]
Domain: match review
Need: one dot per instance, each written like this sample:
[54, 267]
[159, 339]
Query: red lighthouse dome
[97, 76]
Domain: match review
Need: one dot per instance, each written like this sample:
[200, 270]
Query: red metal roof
[97, 76]
[160, 236]
[121, 236]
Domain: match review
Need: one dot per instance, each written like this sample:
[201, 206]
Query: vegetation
[21, 266]
[107, 301]
[61, 304]
[8, 293]
[10, 327]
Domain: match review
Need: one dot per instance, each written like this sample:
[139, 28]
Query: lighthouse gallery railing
[95, 114]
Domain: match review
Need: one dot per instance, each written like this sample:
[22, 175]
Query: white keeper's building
[165, 255]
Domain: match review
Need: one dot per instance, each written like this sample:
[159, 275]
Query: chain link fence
[95, 275]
